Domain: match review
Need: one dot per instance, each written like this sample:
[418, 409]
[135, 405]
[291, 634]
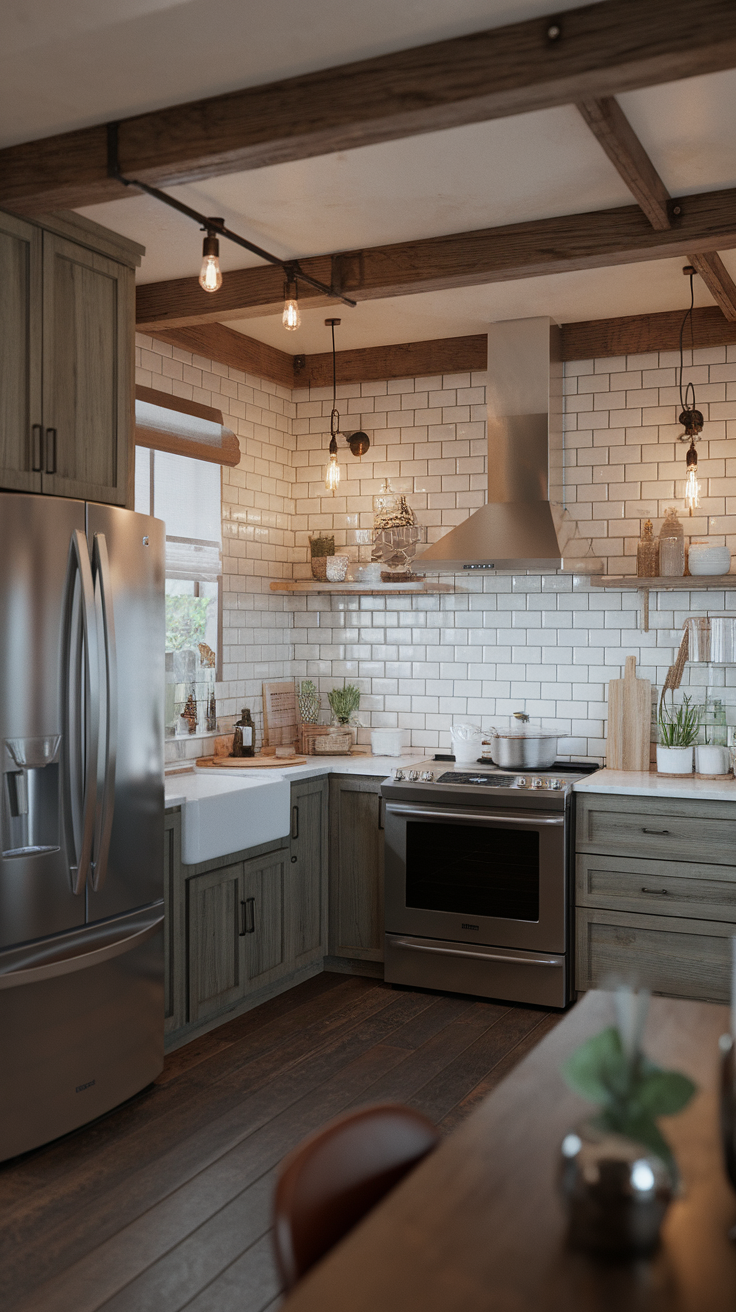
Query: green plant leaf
[598, 1069]
[663, 1093]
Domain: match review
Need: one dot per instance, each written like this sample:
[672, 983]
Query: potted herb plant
[344, 702]
[678, 730]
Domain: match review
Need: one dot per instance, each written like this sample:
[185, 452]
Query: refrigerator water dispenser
[30, 803]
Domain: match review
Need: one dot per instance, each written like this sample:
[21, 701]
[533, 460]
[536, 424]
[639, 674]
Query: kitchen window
[181, 447]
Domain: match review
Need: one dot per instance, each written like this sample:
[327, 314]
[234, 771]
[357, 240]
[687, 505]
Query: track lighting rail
[292, 269]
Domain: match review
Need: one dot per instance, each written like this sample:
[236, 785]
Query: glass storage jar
[647, 554]
[671, 546]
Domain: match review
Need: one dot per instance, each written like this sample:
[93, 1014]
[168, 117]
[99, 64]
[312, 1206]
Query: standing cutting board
[629, 720]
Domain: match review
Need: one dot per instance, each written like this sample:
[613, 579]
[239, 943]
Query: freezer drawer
[539, 978]
[81, 1019]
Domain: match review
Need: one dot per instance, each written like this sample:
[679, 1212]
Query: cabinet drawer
[680, 958]
[669, 888]
[668, 829]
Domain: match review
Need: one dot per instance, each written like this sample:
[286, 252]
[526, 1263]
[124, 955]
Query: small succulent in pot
[678, 731]
[618, 1174]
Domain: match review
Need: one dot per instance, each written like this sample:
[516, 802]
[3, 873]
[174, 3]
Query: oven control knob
[427, 777]
[537, 782]
[399, 776]
[520, 781]
[553, 784]
[413, 775]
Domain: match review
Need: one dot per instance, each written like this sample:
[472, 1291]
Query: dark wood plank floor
[165, 1204]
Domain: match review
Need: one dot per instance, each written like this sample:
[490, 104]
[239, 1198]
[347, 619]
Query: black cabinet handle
[294, 860]
[655, 831]
[50, 451]
[381, 812]
[295, 821]
[247, 917]
[37, 440]
[660, 892]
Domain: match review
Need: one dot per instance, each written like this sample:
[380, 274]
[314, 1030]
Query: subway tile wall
[548, 643]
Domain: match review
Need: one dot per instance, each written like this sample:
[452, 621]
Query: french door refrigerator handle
[32, 974]
[101, 575]
[85, 803]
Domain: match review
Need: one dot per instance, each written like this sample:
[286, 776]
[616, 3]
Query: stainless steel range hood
[524, 524]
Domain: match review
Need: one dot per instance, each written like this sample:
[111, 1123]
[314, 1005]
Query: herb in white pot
[678, 730]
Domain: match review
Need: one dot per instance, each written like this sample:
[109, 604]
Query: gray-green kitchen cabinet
[356, 868]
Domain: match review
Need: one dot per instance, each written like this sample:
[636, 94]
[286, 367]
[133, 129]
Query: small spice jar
[671, 546]
[647, 554]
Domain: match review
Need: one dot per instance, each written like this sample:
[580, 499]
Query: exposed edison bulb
[692, 486]
[210, 277]
[291, 318]
[692, 490]
[332, 475]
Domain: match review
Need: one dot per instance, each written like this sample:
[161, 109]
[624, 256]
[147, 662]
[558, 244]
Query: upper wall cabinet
[66, 358]
[21, 246]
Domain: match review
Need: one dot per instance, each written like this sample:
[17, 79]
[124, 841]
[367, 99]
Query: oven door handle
[484, 956]
[479, 817]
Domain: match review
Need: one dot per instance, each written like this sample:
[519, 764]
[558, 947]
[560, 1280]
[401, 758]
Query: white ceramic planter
[674, 760]
[710, 759]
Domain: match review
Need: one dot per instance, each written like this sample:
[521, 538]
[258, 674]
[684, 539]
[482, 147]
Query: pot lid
[520, 727]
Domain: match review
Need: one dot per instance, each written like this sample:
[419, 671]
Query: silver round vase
[616, 1191]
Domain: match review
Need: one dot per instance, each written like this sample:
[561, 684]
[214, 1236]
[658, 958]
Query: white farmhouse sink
[220, 816]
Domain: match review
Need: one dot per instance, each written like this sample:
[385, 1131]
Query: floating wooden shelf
[360, 589]
[662, 583]
[689, 583]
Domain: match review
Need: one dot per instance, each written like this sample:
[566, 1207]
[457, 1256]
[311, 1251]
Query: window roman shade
[183, 428]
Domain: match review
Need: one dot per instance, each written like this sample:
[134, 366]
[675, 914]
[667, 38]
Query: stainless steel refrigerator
[81, 812]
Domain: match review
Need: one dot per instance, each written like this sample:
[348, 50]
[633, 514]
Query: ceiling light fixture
[215, 228]
[358, 442]
[690, 418]
[291, 318]
[210, 275]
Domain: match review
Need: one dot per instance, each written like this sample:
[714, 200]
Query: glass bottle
[647, 554]
[248, 730]
[671, 546]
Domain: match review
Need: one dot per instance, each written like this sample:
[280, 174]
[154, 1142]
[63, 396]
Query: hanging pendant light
[358, 442]
[689, 417]
[210, 276]
[291, 318]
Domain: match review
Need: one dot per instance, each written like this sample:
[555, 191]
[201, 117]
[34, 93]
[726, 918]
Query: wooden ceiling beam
[596, 50]
[612, 129]
[718, 280]
[707, 222]
[444, 355]
[638, 334]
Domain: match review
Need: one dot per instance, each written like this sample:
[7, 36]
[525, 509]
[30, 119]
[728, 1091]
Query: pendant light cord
[690, 388]
[334, 417]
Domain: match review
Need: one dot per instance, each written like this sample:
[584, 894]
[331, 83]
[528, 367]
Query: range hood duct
[524, 524]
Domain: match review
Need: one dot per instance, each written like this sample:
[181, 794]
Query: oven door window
[473, 870]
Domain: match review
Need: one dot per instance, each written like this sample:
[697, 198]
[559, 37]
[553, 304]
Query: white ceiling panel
[483, 175]
[565, 297]
[689, 130]
[69, 63]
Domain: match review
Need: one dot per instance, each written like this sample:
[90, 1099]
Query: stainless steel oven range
[478, 883]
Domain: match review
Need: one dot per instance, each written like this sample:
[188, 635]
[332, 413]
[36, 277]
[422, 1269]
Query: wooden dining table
[480, 1224]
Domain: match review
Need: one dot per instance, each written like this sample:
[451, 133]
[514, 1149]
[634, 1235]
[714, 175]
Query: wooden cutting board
[629, 720]
[251, 762]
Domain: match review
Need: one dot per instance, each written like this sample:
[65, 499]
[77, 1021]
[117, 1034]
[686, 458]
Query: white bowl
[704, 558]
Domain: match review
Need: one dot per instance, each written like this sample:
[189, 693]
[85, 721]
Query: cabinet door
[216, 937]
[356, 869]
[263, 928]
[20, 355]
[307, 872]
[676, 957]
[175, 927]
[87, 372]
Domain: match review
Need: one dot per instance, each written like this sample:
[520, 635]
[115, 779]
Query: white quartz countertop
[202, 782]
[631, 783]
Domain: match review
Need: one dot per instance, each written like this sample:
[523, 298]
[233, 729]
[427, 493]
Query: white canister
[711, 759]
[387, 742]
[467, 743]
[704, 557]
[674, 760]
